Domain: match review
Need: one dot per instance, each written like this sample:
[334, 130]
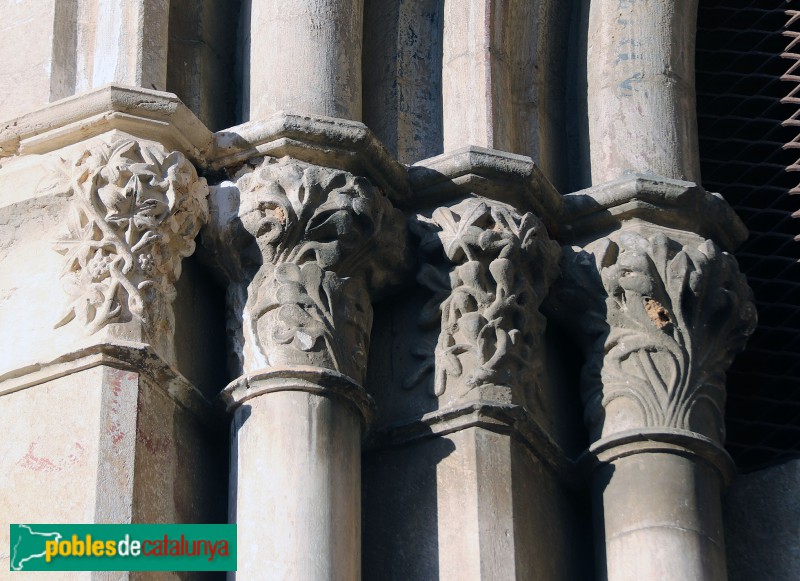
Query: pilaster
[96, 223]
[464, 420]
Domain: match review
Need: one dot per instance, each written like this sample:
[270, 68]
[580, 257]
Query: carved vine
[325, 238]
[674, 316]
[134, 213]
[496, 270]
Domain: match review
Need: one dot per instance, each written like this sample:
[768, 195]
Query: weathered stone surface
[679, 205]
[762, 524]
[42, 76]
[312, 242]
[51, 444]
[303, 246]
[472, 504]
[325, 141]
[121, 41]
[659, 311]
[201, 60]
[488, 268]
[640, 71]
[644, 526]
[663, 313]
[139, 112]
[663, 309]
[68, 52]
[296, 496]
[402, 80]
[305, 57]
[134, 212]
[467, 473]
[99, 445]
[487, 75]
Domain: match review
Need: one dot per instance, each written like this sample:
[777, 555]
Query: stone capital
[488, 267]
[659, 308]
[133, 210]
[486, 262]
[310, 244]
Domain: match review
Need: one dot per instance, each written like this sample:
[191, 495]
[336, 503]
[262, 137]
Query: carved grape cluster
[135, 211]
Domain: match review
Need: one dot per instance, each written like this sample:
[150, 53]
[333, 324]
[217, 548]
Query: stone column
[488, 266]
[122, 42]
[310, 243]
[673, 307]
[488, 57]
[660, 310]
[305, 58]
[642, 115]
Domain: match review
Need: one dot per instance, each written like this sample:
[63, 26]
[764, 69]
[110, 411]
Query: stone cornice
[497, 175]
[594, 212]
[127, 355]
[325, 141]
[510, 419]
[143, 113]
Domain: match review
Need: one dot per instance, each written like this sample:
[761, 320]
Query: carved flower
[133, 192]
[98, 266]
[147, 263]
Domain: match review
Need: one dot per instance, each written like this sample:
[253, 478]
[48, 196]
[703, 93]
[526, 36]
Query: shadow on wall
[400, 512]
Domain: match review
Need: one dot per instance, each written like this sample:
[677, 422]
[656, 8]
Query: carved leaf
[676, 312]
[482, 292]
[135, 211]
[324, 237]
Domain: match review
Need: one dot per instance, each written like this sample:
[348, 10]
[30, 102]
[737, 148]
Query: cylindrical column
[305, 57]
[662, 314]
[641, 525]
[296, 475]
[642, 114]
[301, 326]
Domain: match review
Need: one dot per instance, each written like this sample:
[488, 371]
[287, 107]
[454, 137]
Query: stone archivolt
[135, 210]
[664, 312]
[326, 238]
[489, 267]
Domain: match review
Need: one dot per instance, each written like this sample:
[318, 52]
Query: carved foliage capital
[662, 314]
[135, 210]
[325, 238]
[488, 267]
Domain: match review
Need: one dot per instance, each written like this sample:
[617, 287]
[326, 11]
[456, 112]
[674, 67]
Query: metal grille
[742, 114]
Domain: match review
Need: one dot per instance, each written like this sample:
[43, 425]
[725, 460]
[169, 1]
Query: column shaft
[296, 487]
[663, 313]
[128, 48]
[478, 90]
[642, 115]
[305, 57]
[320, 238]
[651, 508]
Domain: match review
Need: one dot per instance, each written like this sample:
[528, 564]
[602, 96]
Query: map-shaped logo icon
[27, 545]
